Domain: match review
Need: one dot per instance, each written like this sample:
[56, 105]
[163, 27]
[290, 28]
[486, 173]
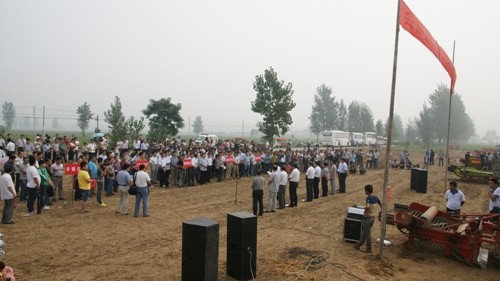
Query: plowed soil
[303, 243]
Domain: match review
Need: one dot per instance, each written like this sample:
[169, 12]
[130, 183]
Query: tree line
[274, 101]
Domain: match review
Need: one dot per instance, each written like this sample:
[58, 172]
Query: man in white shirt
[124, 146]
[494, 196]
[20, 143]
[7, 193]
[33, 184]
[274, 182]
[154, 162]
[282, 189]
[202, 164]
[292, 188]
[342, 173]
[142, 181]
[10, 148]
[310, 182]
[454, 199]
[210, 169]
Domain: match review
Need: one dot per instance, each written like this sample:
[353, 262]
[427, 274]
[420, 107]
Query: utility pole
[189, 127]
[242, 128]
[34, 120]
[43, 121]
[97, 119]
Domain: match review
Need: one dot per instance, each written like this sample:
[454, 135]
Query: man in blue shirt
[369, 219]
[92, 169]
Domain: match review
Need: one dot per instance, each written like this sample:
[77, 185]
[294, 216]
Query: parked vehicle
[335, 138]
[370, 138]
[357, 139]
[206, 138]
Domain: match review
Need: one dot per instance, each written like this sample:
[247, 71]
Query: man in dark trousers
[368, 219]
[258, 193]
[342, 173]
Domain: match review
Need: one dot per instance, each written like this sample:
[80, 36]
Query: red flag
[410, 22]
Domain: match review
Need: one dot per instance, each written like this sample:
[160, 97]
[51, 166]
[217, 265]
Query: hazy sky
[206, 54]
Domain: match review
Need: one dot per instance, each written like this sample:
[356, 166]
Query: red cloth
[412, 24]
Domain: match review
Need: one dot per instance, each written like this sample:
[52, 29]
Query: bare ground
[304, 243]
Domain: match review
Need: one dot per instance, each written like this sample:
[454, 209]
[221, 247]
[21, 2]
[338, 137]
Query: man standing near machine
[454, 199]
[368, 219]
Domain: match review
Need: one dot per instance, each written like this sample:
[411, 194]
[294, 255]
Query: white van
[203, 139]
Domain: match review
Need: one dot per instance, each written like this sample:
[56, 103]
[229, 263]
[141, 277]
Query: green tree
[462, 126]
[380, 128]
[8, 114]
[134, 127]
[424, 124]
[116, 121]
[274, 102]
[411, 132]
[164, 117]
[198, 125]
[324, 111]
[353, 117]
[397, 128]
[359, 117]
[84, 116]
[342, 116]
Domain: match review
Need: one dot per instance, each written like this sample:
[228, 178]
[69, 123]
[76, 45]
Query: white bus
[358, 139]
[335, 138]
[370, 138]
[381, 140]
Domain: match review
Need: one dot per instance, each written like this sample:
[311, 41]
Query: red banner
[412, 24]
[229, 159]
[71, 169]
[258, 158]
[139, 162]
[187, 163]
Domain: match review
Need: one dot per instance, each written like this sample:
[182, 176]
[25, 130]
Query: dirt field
[64, 244]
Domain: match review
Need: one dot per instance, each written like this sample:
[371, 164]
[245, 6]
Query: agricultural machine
[472, 172]
[462, 237]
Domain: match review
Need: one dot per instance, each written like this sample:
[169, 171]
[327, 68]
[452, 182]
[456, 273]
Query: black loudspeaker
[413, 179]
[241, 245]
[418, 180]
[200, 250]
[352, 230]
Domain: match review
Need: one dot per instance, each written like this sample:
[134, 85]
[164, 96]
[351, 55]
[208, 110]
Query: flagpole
[449, 126]
[389, 136]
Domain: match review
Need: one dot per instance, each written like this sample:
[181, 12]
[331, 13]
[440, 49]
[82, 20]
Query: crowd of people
[37, 169]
